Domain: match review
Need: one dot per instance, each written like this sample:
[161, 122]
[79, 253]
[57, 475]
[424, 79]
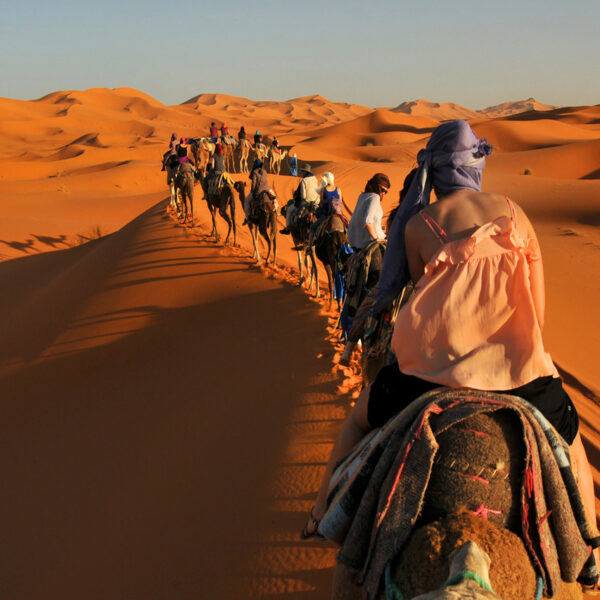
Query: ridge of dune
[510, 108]
[440, 111]
[508, 135]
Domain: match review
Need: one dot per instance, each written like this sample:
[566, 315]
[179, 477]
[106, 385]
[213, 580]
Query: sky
[374, 53]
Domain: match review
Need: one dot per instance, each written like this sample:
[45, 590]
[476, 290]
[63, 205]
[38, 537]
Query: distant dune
[168, 409]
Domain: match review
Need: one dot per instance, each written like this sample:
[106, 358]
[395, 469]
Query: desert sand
[167, 406]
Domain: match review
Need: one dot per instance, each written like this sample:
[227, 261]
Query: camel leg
[273, 239]
[300, 269]
[213, 212]
[329, 272]
[232, 212]
[254, 232]
[179, 203]
[225, 216]
[316, 272]
[265, 235]
[173, 197]
[309, 270]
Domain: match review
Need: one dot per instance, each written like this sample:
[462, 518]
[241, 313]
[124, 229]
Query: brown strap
[439, 233]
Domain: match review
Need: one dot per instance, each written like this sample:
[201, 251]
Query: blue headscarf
[452, 160]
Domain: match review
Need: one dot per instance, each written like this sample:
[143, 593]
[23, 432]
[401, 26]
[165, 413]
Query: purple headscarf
[452, 160]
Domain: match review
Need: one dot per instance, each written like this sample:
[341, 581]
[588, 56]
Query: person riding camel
[331, 203]
[182, 151]
[214, 132]
[218, 160]
[365, 224]
[241, 134]
[257, 138]
[475, 320]
[172, 151]
[306, 200]
[258, 189]
[275, 146]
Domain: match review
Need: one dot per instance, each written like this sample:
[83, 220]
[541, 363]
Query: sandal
[313, 524]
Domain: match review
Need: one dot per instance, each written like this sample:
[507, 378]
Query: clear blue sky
[375, 52]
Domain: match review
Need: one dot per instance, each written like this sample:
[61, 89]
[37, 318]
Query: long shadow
[52, 241]
[135, 468]
[26, 246]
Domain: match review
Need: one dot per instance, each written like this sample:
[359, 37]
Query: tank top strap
[439, 233]
[513, 214]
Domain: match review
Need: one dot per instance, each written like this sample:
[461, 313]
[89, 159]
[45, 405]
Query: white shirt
[368, 211]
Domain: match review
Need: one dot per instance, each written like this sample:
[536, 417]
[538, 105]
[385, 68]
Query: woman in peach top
[477, 314]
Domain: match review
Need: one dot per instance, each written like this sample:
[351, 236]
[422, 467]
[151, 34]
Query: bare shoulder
[415, 227]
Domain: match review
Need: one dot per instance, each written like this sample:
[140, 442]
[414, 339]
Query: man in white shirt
[306, 198]
[365, 224]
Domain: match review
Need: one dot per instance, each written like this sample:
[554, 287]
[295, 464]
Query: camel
[473, 492]
[202, 150]
[300, 238]
[228, 156]
[182, 196]
[326, 248]
[264, 222]
[275, 160]
[171, 168]
[220, 202]
[260, 151]
[243, 149]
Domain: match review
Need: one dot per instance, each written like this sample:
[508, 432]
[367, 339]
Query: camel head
[240, 187]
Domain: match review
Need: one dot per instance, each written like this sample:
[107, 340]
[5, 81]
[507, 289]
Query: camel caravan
[460, 471]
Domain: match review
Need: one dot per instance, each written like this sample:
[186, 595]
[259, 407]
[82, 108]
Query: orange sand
[167, 407]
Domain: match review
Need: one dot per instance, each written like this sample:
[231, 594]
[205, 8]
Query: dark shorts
[392, 391]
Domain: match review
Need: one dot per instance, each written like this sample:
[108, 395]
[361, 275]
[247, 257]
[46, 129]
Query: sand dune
[444, 111]
[512, 108]
[168, 408]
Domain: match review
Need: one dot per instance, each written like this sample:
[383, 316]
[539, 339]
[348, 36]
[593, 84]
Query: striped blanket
[377, 492]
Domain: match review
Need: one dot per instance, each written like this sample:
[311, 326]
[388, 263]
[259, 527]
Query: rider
[306, 199]
[214, 132]
[365, 224]
[330, 204]
[259, 186]
[257, 138]
[172, 151]
[218, 160]
[242, 133]
[275, 146]
[182, 149]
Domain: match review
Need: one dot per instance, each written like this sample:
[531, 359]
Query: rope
[458, 578]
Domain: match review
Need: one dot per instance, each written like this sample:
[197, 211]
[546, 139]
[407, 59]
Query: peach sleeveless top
[472, 321]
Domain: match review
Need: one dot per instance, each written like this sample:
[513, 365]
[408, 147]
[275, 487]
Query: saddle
[330, 224]
[356, 274]
[262, 203]
[217, 182]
